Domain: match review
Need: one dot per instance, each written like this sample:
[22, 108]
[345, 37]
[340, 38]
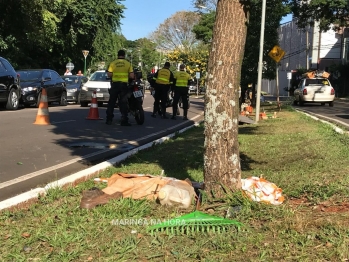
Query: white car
[98, 82]
[314, 90]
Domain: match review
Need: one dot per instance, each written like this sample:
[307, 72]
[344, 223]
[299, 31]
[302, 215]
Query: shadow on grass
[176, 157]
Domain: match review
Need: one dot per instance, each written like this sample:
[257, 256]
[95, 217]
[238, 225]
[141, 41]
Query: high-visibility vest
[182, 78]
[120, 69]
[163, 77]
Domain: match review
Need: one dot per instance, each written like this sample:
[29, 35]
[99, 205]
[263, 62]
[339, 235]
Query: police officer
[163, 80]
[120, 71]
[180, 90]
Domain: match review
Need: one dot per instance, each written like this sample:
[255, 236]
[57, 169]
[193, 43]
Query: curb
[327, 121]
[82, 175]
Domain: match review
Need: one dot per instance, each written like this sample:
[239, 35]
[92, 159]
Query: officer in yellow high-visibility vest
[120, 71]
[163, 80]
[181, 90]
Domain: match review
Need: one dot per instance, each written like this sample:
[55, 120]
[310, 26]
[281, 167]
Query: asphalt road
[338, 114]
[34, 155]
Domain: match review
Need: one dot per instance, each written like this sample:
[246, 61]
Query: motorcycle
[135, 100]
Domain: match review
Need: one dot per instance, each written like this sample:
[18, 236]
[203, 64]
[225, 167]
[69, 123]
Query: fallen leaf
[139, 235]
[19, 163]
[89, 258]
[328, 244]
[7, 236]
[25, 234]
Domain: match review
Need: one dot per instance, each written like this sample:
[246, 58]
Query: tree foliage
[195, 60]
[275, 10]
[176, 32]
[330, 13]
[50, 33]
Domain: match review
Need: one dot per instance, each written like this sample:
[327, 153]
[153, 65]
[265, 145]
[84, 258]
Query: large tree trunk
[221, 157]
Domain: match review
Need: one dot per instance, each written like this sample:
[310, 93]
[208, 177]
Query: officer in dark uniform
[163, 80]
[181, 90]
[120, 71]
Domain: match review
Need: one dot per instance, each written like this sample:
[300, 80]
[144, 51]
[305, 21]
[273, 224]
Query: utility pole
[307, 50]
[260, 63]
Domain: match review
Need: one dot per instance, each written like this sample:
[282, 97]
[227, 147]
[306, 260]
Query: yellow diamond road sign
[276, 53]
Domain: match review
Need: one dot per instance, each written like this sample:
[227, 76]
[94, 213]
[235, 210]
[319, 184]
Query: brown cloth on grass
[139, 186]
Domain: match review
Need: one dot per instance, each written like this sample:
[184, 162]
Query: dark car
[33, 80]
[74, 84]
[10, 90]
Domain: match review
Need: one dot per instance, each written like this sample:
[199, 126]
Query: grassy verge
[307, 159]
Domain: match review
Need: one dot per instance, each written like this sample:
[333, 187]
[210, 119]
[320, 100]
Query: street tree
[176, 32]
[330, 14]
[221, 156]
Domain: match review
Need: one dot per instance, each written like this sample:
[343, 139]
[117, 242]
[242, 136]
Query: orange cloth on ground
[260, 190]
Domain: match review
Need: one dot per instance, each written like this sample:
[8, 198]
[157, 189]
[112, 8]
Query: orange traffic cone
[93, 114]
[42, 117]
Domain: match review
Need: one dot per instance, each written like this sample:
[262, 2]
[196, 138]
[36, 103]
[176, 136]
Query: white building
[323, 50]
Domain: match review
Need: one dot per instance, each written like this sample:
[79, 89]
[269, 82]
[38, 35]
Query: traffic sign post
[276, 53]
[197, 83]
[69, 66]
[85, 54]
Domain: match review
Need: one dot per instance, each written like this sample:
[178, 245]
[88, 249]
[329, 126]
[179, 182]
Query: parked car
[192, 87]
[74, 84]
[32, 82]
[314, 90]
[10, 89]
[98, 82]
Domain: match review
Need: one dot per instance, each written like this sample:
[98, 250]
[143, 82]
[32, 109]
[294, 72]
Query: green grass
[305, 158]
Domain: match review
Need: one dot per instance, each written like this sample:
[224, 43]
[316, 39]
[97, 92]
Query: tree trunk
[221, 157]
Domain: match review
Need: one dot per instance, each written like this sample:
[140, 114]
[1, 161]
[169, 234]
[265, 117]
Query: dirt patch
[340, 208]
[326, 207]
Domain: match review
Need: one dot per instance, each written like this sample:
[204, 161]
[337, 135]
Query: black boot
[154, 113]
[163, 111]
[174, 113]
[185, 114]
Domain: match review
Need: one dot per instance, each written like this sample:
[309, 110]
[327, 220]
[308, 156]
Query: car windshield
[99, 76]
[29, 75]
[316, 81]
[71, 80]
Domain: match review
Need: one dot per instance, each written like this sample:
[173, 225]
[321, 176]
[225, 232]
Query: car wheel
[78, 100]
[301, 103]
[100, 104]
[139, 114]
[295, 102]
[63, 101]
[322, 104]
[12, 100]
[83, 104]
[331, 104]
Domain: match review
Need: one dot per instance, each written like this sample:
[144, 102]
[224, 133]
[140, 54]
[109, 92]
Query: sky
[143, 17]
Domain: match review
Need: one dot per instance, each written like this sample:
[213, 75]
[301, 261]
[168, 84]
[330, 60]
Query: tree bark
[221, 157]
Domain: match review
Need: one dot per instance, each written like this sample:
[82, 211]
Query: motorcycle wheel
[139, 114]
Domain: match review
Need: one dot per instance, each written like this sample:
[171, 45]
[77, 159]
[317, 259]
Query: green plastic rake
[195, 221]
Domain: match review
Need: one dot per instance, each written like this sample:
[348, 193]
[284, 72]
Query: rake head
[195, 222]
